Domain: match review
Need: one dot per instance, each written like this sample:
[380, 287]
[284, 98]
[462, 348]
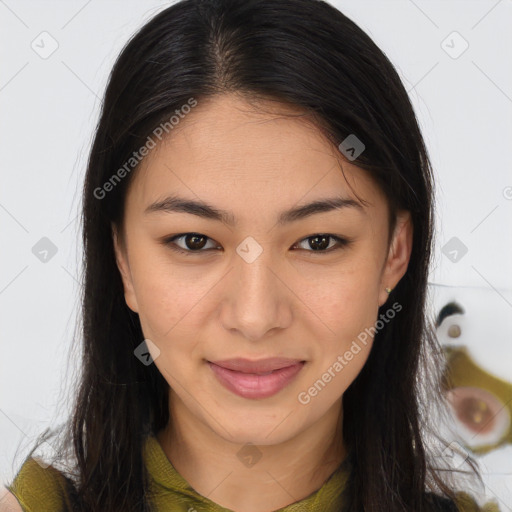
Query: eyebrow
[173, 204]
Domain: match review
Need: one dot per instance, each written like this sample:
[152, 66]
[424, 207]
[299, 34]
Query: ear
[124, 269]
[398, 256]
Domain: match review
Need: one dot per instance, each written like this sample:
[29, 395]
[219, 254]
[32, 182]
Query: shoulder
[8, 502]
[37, 487]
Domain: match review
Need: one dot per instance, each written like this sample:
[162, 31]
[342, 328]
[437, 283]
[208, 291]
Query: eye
[193, 242]
[321, 242]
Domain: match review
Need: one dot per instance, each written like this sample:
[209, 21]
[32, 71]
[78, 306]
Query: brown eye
[480, 415]
[194, 242]
[323, 243]
[189, 243]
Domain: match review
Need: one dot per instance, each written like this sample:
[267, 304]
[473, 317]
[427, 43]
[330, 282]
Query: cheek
[168, 296]
[170, 309]
[351, 318]
[341, 331]
[344, 301]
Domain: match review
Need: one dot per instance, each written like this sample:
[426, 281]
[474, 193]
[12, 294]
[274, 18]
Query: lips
[256, 379]
[263, 366]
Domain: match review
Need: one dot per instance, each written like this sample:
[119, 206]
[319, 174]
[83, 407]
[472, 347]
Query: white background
[49, 108]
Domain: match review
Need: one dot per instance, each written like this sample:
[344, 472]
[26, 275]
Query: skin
[291, 301]
[8, 503]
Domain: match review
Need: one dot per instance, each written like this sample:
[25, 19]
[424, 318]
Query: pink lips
[241, 375]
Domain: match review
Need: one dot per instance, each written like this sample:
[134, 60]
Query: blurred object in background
[474, 328]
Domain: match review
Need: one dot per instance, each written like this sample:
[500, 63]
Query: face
[254, 282]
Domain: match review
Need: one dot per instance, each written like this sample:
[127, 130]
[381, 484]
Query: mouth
[256, 379]
[261, 366]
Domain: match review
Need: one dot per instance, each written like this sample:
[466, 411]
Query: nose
[257, 298]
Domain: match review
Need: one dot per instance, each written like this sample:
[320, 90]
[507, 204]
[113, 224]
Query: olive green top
[45, 489]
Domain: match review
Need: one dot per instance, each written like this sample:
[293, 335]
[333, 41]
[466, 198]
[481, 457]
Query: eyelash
[341, 243]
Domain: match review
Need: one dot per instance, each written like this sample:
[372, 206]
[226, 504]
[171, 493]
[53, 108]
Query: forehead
[266, 153]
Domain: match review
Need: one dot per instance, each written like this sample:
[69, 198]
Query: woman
[257, 227]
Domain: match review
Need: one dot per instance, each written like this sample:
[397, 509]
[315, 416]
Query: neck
[247, 477]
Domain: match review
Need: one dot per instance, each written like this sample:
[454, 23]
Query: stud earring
[389, 290]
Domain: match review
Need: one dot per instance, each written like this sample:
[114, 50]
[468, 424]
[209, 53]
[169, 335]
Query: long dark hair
[304, 53]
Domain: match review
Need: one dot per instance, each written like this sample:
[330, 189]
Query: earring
[389, 290]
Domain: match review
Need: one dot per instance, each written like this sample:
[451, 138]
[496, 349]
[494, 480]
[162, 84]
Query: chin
[258, 431]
